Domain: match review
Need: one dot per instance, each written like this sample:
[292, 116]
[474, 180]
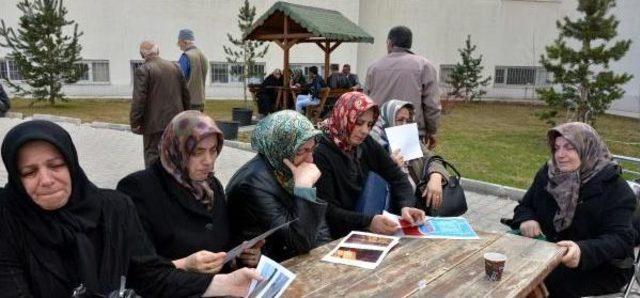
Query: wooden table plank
[529, 262]
[412, 261]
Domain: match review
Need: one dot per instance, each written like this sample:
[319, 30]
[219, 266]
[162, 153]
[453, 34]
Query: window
[225, 73]
[445, 73]
[94, 71]
[521, 76]
[9, 70]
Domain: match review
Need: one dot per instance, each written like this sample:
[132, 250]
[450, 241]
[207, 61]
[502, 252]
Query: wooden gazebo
[288, 24]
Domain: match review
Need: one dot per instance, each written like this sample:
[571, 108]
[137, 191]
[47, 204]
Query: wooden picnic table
[429, 267]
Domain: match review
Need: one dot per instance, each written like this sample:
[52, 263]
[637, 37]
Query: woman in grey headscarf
[580, 200]
[399, 112]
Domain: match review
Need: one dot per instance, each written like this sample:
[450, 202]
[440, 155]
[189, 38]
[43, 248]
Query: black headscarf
[61, 232]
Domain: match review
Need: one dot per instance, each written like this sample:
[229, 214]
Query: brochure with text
[360, 249]
[276, 279]
[435, 227]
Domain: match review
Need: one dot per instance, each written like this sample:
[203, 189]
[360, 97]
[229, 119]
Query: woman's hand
[305, 174]
[412, 215]
[203, 261]
[530, 228]
[433, 192]
[397, 157]
[234, 284]
[571, 257]
[251, 256]
[383, 225]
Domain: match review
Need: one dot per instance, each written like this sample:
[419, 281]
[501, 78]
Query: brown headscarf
[565, 186]
[179, 139]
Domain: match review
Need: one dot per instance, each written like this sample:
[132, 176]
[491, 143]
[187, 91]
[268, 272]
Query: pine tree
[587, 85]
[466, 78]
[247, 50]
[45, 56]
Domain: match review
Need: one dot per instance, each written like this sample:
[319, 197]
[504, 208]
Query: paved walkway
[108, 155]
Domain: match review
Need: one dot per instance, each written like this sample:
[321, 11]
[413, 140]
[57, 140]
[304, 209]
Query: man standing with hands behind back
[194, 67]
[403, 75]
[159, 93]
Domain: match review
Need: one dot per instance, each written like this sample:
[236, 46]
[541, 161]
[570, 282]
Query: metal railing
[628, 159]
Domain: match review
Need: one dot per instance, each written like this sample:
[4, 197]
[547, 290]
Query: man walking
[406, 76]
[194, 67]
[159, 93]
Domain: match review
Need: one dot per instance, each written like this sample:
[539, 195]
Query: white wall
[113, 30]
[507, 32]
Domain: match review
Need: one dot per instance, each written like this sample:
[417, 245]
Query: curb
[482, 187]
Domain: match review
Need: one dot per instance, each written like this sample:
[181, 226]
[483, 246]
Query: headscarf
[346, 111]
[53, 233]
[388, 112]
[565, 186]
[279, 136]
[179, 140]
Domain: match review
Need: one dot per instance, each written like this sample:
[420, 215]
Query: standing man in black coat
[5, 104]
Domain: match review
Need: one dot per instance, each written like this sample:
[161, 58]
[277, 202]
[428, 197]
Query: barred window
[445, 73]
[93, 71]
[521, 76]
[225, 72]
[3, 69]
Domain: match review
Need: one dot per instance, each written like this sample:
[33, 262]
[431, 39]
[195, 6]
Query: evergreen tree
[247, 50]
[582, 72]
[45, 56]
[466, 78]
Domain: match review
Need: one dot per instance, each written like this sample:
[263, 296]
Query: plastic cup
[494, 265]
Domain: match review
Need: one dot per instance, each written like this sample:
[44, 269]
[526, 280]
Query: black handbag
[454, 202]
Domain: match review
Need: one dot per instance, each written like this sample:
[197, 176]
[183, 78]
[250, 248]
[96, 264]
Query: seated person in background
[180, 203]
[337, 80]
[398, 112]
[353, 81]
[277, 186]
[269, 93]
[297, 79]
[345, 156]
[579, 200]
[58, 231]
[314, 87]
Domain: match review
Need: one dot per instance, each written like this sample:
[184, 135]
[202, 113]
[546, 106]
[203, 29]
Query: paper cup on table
[494, 265]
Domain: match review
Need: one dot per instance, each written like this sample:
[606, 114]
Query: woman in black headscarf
[579, 200]
[59, 231]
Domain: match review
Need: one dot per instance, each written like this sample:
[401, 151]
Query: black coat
[601, 227]
[27, 272]
[176, 223]
[343, 179]
[5, 103]
[258, 203]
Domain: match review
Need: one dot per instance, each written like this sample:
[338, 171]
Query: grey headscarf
[565, 186]
[387, 118]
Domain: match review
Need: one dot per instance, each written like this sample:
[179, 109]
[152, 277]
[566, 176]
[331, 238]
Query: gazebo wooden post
[327, 58]
[285, 71]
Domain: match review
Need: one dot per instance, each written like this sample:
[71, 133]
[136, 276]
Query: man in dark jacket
[5, 104]
[159, 93]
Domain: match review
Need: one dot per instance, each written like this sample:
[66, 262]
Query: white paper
[360, 249]
[406, 138]
[276, 279]
[236, 251]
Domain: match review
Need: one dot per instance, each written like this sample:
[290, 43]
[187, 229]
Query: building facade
[510, 34]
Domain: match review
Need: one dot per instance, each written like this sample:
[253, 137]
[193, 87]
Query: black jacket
[25, 272]
[5, 104]
[601, 226]
[176, 223]
[258, 203]
[343, 179]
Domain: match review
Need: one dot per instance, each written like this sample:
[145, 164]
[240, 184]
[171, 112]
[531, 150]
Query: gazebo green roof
[319, 23]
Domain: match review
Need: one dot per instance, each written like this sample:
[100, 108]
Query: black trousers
[605, 279]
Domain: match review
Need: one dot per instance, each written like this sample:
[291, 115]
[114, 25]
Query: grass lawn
[495, 142]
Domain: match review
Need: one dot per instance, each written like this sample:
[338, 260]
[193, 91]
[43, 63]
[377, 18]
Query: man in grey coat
[194, 66]
[159, 93]
[403, 75]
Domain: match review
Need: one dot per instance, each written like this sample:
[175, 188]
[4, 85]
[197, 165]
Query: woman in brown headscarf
[579, 200]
